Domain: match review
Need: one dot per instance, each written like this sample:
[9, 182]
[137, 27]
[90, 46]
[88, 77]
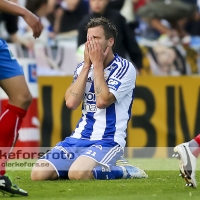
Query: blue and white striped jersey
[109, 123]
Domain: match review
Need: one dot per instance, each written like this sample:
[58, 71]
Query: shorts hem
[95, 160]
[11, 76]
[52, 165]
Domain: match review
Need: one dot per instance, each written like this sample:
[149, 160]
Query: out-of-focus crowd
[161, 37]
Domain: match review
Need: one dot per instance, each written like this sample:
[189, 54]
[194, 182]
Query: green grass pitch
[163, 184]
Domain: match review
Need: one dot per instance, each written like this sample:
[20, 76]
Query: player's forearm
[12, 8]
[101, 88]
[74, 93]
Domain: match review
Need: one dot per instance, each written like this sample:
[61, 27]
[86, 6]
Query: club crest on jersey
[114, 84]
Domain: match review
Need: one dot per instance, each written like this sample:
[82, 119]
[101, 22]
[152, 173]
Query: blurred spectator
[176, 12]
[139, 3]
[11, 25]
[166, 60]
[69, 14]
[51, 5]
[126, 42]
[10, 22]
[116, 4]
[126, 10]
[41, 9]
[193, 25]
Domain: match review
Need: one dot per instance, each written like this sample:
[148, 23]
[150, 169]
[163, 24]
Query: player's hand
[34, 22]
[96, 54]
[87, 60]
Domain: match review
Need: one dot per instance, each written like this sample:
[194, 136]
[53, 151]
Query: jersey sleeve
[122, 81]
[77, 71]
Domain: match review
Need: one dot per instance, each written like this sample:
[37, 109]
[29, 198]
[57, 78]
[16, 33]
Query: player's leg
[11, 119]
[82, 168]
[187, 154]
[117, 168]
[99, 161]
[44, 170]
[56, 163]
[17, 90]
[13, 83]
[19, 100]
[92, 158]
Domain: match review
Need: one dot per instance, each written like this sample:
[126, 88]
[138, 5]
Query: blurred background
[161, 38]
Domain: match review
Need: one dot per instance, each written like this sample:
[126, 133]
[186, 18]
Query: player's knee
[25, 99]
[37, 175]
[43, 175]
[47, 172]
[22, 100]
[79, 175]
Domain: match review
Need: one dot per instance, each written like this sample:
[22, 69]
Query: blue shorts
[9, 67]
[66, 152]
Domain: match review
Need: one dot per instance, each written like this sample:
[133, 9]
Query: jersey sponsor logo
[89, 107]
[32, 72]
[90, 97]
[89, 100]
[114, 84]
[89, 79]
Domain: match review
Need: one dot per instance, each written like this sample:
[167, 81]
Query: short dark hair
[34, 5]
[110, 29]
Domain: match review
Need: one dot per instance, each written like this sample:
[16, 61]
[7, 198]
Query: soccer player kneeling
[105, 83]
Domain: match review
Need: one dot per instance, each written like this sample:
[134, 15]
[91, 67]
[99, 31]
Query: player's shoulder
[79, 67]
[123, 62]
[124, 69]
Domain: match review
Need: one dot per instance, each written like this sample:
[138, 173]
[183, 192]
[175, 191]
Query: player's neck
[108, 59]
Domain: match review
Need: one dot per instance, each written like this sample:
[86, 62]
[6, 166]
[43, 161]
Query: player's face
[98, 6]
[98, 33]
